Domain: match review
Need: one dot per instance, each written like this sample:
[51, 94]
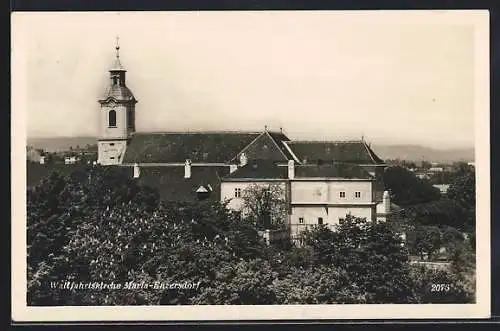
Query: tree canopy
[407, 189]
[98, 224]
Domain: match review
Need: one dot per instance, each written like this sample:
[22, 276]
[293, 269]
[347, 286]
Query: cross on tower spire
[117, 66]
[117, 47]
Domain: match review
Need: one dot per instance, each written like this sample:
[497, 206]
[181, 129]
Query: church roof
[259, 169]
[172, 185]
[205, 147]
[265, 170]
[119, 93]
[334, 151]
[280, 139]
[338, 170]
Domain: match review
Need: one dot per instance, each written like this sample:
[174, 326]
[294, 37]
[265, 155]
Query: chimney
[187, 169]
[233, 168]
[291, 169]
[137, 171]
[386, 201]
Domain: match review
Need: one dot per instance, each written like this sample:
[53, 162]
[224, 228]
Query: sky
[319, 75]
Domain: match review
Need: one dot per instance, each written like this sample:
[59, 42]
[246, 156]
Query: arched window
[112, 118]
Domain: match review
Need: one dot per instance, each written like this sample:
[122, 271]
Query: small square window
[111, 144]
[357, 194]
[342, 194]
[301, 220]
[320, 220]
[237, 192]
[341, 220]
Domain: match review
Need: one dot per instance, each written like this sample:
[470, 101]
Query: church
[324, 180]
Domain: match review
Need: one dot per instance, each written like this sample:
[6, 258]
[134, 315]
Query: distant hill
[419, 153]
[60, 144]
[402, 152]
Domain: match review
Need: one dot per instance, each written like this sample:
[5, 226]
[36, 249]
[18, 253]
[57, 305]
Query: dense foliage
[99, 225]
[264, 206]
[457, 209]
[407, 189]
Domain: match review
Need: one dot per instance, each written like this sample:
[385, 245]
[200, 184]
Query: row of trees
[99, 225]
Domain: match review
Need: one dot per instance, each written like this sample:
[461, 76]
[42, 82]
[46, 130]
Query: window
[111, 144]
[320, 220]
[341, 220]
[301, 220]
[357, 194]
[112, 158]
[237, 192]
[342, 194]
[112, 118]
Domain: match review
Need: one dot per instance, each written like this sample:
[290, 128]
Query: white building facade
[311, 199]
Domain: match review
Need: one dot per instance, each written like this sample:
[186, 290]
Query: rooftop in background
[339, 151]
[165, 147]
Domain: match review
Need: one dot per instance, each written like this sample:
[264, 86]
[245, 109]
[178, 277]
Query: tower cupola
[117, 115]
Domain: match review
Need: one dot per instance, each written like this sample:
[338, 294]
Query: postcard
[250, 165]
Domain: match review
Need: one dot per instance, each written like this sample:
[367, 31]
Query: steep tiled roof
[119, 93]
[331, 171]
[277, 136]
[259, 169]
[172, 185]
[327, 151]
[280, 139]
[216, 147]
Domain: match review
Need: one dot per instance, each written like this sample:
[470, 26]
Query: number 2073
[440, 287]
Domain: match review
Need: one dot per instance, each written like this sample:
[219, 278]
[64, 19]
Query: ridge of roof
[195, 132]
[324, 141]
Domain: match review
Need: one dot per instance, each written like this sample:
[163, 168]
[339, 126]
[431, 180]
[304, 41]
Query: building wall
[111, 151]
[228, 191]
[330, 215]
[120, 131]
[314, 192]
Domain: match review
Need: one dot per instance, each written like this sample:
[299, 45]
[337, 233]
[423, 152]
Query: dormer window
[112, 118]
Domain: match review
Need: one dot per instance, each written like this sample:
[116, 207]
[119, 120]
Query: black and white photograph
[250, 165]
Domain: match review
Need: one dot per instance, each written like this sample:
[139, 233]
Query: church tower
[117, 116]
